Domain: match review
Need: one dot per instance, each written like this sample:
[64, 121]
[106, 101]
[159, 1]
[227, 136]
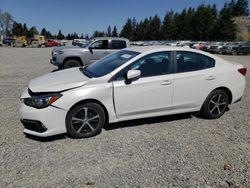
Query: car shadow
[46, 139]
[148, 121]
[55, 70]
[125, 124]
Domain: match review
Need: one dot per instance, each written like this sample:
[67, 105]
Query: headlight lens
[59, 52]
[42, 101]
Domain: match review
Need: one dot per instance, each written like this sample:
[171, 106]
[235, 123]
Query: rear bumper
[238, 92]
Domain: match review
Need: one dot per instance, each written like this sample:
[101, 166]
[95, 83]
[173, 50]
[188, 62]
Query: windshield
[110, 63]
[85, 45]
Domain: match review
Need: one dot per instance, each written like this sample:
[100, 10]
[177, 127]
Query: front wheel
[234, 52]
[85, 120]
[215, 105]
[71, 63]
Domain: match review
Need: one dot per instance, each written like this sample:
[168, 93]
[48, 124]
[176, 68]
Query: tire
[215, 104]
[35, 44]
[71, 63]
[85, 120]
[234, 52]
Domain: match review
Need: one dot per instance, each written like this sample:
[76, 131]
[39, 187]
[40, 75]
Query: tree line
[204, 23]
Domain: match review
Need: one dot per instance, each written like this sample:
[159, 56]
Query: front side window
[100, 44]
[118, 44]
[191, 61]
[155, 64]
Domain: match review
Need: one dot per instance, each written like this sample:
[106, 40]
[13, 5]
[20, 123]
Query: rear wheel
[215, 105]
[71, 63]
[85, 120]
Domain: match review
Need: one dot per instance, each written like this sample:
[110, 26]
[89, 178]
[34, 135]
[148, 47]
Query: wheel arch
[92, 101]
[73, 58]
[228, 91]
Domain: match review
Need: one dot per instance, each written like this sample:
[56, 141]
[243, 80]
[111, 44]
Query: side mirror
[91, 50]
[133, 75]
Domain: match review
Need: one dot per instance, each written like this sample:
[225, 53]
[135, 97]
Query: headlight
[59, 52]
[42, 101]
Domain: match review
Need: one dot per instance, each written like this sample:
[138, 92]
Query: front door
[99, 49]
[151, 94]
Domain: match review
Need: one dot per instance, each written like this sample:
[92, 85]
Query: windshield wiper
[86, 72]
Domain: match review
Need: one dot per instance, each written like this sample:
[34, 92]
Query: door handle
[106, 53]
[166, 82]
[210, 78]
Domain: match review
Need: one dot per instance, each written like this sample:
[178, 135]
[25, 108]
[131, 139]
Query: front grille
[33, 125]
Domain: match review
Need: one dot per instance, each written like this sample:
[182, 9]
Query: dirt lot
[171, 151]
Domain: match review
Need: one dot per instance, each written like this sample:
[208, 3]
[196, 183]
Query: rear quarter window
[118, 44]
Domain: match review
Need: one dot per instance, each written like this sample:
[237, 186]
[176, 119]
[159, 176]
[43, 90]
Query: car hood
[59, 81]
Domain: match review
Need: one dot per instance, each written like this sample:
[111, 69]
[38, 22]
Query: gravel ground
[170, 151]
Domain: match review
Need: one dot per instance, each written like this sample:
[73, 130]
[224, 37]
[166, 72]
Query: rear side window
[118, 44]
[191, 61]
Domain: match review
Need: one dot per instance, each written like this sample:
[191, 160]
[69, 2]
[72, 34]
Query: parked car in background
[206, 46]
[52, 42]
[9, 42]
[230, 48]
[79, 42]
[197, 46]
[244, 48]
[133, 83]
[216, 47]
[93, 50]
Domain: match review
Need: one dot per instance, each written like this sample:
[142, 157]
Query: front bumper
[54, 62]
[226, 51]
[43, 122]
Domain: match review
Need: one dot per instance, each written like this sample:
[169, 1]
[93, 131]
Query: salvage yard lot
[181, 150]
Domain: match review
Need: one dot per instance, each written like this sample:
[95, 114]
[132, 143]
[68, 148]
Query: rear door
[194, 79]
[115, 45]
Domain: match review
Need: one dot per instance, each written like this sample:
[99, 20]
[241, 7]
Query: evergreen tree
[168, 27]
[141, 30]
[154, 29]
[203, 23]
[87, 37]
[98, 34]
[68, 37]
[114, 32]
[109, 31]
[127, 30]
[43, 32]
[225, 26]
[60, 36]
[82, 37]
[239, 8]
[17, 29]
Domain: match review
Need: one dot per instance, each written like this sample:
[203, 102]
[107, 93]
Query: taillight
[243, 71]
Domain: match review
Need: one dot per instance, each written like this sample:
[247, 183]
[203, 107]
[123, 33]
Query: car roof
[144, 49]
[109, 38]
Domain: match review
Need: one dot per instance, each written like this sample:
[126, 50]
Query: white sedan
[133, 83]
